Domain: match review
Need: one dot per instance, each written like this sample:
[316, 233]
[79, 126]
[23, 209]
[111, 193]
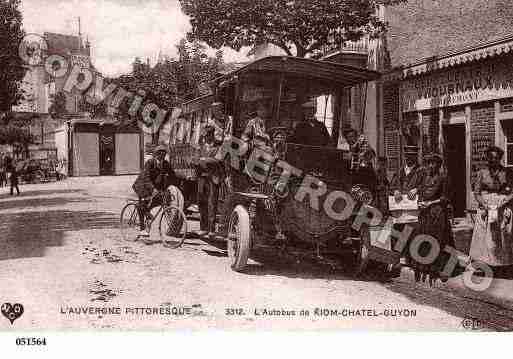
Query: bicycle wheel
[129, 222]
[172, 227]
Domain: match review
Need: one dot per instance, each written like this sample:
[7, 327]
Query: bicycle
[172, 221]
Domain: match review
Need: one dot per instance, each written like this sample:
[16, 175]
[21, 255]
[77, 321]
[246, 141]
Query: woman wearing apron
[493, 235]
[433, 219]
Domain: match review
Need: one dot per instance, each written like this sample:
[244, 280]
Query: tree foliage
[299, 27]
[97, 110]
[171, 81]
[194, 67]
[12, 69]
[15, 135]
[58, 104]
[15, 131]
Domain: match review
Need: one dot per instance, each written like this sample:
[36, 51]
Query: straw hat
[160, 148]
[433, 157]
[308, 104]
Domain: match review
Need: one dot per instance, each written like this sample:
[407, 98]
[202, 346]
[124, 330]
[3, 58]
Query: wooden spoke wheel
[173, 227]
[364, 264]
[239, 238]
[129, 222]
[362, 253]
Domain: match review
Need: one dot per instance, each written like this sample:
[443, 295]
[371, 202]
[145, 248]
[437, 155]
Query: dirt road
[62, 257]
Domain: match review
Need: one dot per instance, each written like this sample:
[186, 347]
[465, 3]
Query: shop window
[506, 106]
[508, 146]
[324, 112]
[508, 156]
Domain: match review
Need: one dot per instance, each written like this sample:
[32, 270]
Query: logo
[471, 324]
[12, 312]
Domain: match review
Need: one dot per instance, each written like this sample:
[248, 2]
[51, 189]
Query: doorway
[106, 154]
[455, 160]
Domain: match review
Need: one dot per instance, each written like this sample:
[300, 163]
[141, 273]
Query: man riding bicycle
[156, 177]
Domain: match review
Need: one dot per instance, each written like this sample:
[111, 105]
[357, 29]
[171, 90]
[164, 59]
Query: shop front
[96, 148]
[461, 104]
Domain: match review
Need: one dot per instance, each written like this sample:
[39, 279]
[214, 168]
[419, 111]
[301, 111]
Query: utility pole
[79, 34]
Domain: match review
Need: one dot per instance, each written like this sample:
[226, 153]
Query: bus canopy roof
[343, 75]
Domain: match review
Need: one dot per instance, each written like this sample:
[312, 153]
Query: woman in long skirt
[433, 220]
[493, 232]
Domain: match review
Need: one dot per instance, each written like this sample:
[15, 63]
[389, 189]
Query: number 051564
[31, 341]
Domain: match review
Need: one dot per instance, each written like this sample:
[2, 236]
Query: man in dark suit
[310, 132]
[157, 176]
[210, 175]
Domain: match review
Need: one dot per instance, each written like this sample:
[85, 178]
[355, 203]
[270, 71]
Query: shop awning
[476, 53]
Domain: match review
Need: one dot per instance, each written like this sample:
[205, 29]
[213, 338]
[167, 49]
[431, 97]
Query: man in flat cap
[210, 174]
[156, 176]
[310, 132]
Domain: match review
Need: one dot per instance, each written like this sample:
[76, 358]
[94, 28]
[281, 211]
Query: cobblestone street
[60, 249]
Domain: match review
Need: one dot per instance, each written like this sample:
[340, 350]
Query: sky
[119, 30]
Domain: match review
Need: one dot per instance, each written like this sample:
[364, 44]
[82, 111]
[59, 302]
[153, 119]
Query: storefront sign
[481, 82]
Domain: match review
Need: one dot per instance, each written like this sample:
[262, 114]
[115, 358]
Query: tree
[12, 69]
[194, 67]
[15, 132]
[12, 135]
[170, 82]
[299, 27]
[58, 106]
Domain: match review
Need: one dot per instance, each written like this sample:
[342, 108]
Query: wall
[430, 131]
[61, 142]
[392, 139]
[371, 116]
[482, 122]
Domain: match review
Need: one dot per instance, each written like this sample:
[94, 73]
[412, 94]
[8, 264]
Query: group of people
[9, 174]
[428, 183]
[211, 172]
[492, 239]
[158, 174]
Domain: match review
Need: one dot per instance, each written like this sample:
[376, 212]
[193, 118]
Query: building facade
[99, 147]
[88, 146]
[450, 78]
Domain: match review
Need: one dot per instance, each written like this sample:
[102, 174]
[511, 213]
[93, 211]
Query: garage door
[128, 153]
[86, 154]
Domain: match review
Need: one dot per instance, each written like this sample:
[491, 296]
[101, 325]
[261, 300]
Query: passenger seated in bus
[309, 131]
[349, 140]
[255, 132]
[223, 123]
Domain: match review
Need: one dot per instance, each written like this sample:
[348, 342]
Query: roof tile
[421, 29]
